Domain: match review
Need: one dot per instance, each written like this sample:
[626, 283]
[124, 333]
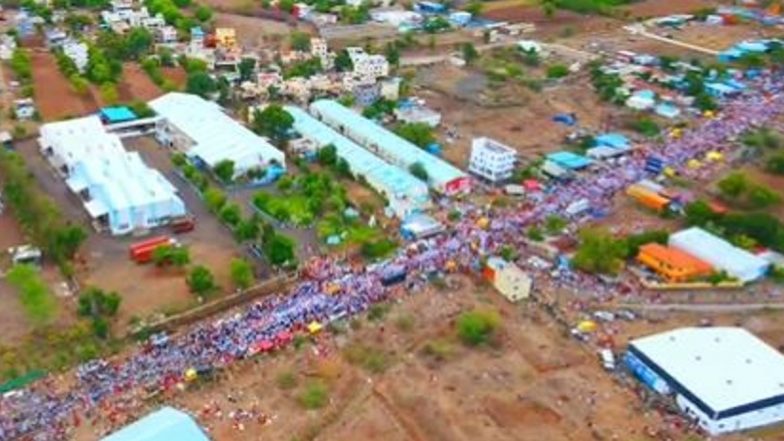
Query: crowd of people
[333, 290]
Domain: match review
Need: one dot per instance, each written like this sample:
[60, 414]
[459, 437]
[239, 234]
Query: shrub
[315, 395]
[478, 326]
[286, 380]
[557, 71]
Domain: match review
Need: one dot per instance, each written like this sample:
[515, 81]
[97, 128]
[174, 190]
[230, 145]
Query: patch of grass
[371, 359]
[478, 326]
[378, 311]
[314, 396]
[405, 322]
[286, 380]
[439, 349]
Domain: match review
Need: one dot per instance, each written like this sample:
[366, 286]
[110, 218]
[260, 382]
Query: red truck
[141, 252]
[183, 225]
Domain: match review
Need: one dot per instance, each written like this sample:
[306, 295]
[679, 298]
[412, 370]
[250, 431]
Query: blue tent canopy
[569, 160]
[117, 114]
[614, 140]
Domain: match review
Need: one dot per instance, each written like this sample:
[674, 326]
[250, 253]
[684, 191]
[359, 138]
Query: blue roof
[614, 140]
[117, 114]
[569, 160]
[720, 88]
[752, 46]
[391, 147]
[667, 110]
[385, 177]
[645, 93]
[166, 424]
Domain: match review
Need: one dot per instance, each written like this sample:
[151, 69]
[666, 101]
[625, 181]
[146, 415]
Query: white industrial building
[720, 254]
[442, 176]
[405, 193]
[491, 160]
[724, 378]
[200, 129]
[119, 191]
[78, 53]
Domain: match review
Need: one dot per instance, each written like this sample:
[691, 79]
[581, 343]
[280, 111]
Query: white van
[608, 359]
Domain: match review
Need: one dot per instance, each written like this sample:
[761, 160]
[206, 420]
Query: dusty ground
[720, 37]
[13, 324]
[527, 127]
[137, 85]
[145, 289]
[54, 96]
[535, 384]
[252, 32]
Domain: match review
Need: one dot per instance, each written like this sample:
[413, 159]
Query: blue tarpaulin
[569, 160]
[112, 115]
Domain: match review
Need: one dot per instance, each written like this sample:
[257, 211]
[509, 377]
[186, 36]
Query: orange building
[672, 264]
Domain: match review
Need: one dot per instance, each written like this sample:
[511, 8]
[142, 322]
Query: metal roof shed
[443, 177]
[166, 424]
[726, 377]
[721, 254]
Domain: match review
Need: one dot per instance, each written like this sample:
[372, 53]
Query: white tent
[721, 254]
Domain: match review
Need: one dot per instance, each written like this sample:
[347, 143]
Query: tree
[557, 71]
[549, 7]
[201, 281]
[241, 273]
[635, 241]
[231, 214]
[760, 197]
[328, 155]
[420, 134]
[137, 43]
[392, 53]
[554, 224]
[599, 252]
[109, 93]
[775, 164]
[79, 84]
[646, 126]
[418, 170]
[342, 167]
[224, 170]
[478, 326]
[95, 303]
[274, 122]
[65, 241]
[474, 7]
[214, 199]
[168, 255]
[203, 13]
[247, 230]
[470, 53]
[37, 300]
[343, 62]
[286, 5]
[279, 249]
[700, 213]
[300, 41]
[201, 83]
[246, 68]
[733, 185]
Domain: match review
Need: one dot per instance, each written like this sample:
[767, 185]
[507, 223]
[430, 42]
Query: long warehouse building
[724, 378]
[200, 129]
[405, 193]
[720, 254]
[443, 177]
[119, 191]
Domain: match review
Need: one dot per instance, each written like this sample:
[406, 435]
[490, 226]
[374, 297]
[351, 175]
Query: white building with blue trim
[724, 378]
[118, 190]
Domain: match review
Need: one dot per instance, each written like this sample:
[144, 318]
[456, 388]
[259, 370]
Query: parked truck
[648, 198]
[141, 252]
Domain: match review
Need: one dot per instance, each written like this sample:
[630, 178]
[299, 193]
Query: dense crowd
[334, 290]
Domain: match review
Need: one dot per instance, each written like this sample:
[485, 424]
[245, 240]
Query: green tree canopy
[419, 171]
[273, 122]
[241, 273]
[201, 281]
[224, 170]
[599, 252]
[201, 83]
[420, 134]
[300, 41]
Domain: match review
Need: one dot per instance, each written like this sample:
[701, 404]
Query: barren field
[137, 85]
[13, 324]
[720, 37]
[527, 126]
[54, 96]
[252, 32]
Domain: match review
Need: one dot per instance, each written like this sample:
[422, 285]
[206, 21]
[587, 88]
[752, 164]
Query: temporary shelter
[724, 378]
[719, 253]
[612, 140]
[569, 160]
[166, 424]
[420, 226]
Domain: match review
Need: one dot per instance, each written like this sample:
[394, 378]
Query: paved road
[638, 29]
[705, 307]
